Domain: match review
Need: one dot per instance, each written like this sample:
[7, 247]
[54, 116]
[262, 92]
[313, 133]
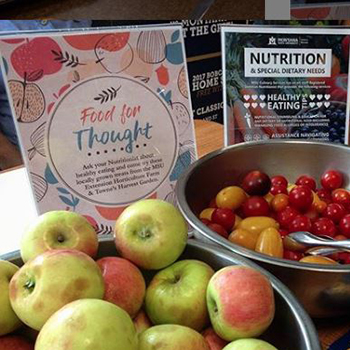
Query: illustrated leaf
[175, 36]
[66, 201]
[62, 190]
[76, 201]
[67, 59]
[106, 95]
[49, 176]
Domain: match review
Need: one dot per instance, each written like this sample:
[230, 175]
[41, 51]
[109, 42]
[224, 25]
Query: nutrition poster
[103, 117]
[285, 83]
[318, 3]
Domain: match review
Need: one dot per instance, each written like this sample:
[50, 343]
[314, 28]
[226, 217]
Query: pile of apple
[66, 298]
[261, 212]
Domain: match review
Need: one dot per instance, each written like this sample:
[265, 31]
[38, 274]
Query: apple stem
[145, 233]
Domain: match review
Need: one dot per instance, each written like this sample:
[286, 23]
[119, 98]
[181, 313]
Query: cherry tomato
[256, 206]
[340, 237]
[243, 238]
[312, 214]
[301, 198]
[279, 202]
[256, 183]
[205, 221]
[324, 195]
[224, 217]
[256, 224]
[212, 203]
[331, 180]
[230, 197]
[341, 196]
[316, 259]
[285, 216]
[335, 212]
[291, 244]
[324, 227]
[283, 232]
[277, 189]
[218, 229]
[344, 226]
[206, 213]
[279, 180]
[307, 181]
[290, 255]
[270, 243]
[300, 223]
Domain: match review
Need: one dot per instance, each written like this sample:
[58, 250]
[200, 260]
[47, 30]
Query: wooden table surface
[209, 137]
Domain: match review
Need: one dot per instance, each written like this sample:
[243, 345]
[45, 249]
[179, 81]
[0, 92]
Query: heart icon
[327, 104]
[254, 97]
[246, 105]
[262, 97]
[312, 104]
[312, 97]
[319, 104]
[246, 97]
[319, 97]
[262, 104]
[254, 105]
[327, 96]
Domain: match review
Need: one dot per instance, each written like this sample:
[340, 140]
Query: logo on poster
[272, 41]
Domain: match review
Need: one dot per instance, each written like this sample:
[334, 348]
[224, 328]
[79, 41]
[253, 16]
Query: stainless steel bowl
[324, 290]
[292, 328]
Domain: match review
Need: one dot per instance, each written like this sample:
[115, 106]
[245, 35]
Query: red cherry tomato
[283, 232]
[255, 206]
[218, 229]
[335, 212]
[324, 227]
[285, 216]
[344, 226]
[256, 183]
[300, 223]
[277, 189]
[341, 196]
[290, 255]
[279, 180]
[344, 257]
[224, 217]
[205, 221]
[301, 198]
[307, 181]
[324, 195]
[331, 180]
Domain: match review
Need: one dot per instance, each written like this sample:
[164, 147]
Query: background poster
[103, 117]
[285, 83]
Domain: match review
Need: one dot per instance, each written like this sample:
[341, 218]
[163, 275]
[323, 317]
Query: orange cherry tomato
[206, 213]
[269, 197]
[290, 244]
[243, 238]
[270, 243]
[230, 197]
[316, 259]
[279, 202]
[237, 221]
[256, 224]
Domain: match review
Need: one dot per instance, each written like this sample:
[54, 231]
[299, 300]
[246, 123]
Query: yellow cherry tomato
[279, 202]
[316, 259]
[318, 204]
[230, 197]
[238, 219]
[269, 197]
[270, 243]
[243, 238]
[292, 245]
[256, 224]
[206, 213]
[290, 187]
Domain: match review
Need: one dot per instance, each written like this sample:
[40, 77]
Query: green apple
[151, 233]
[8, 319]
[240, 302]
[249, 344]
[51, 280]
[177, 294]
[88, 324]
[58, 229]
[170, 337]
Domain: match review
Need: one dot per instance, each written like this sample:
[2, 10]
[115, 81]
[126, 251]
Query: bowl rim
[305, 324]
[203, 230]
